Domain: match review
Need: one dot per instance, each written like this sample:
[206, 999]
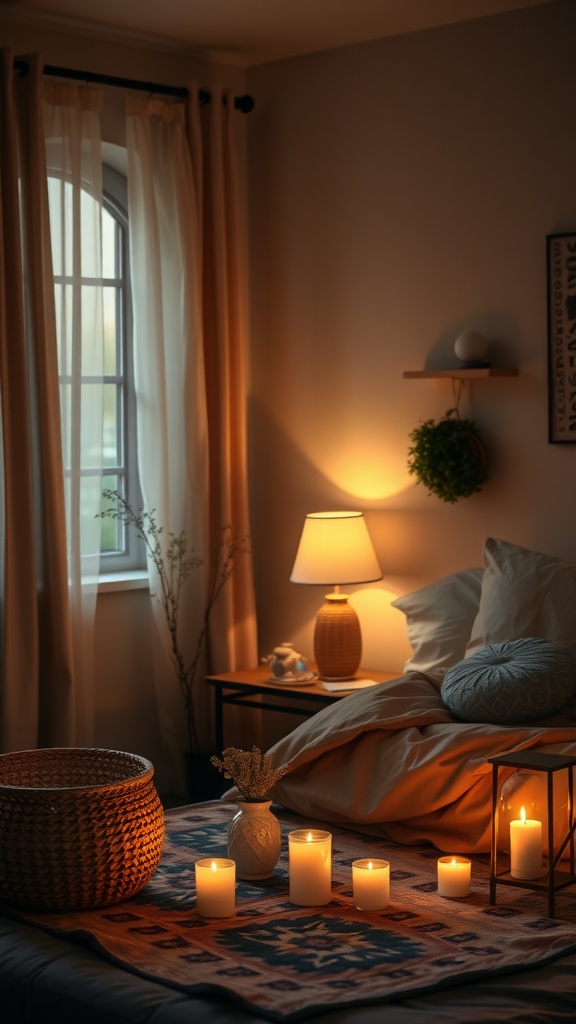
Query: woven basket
[79, 827]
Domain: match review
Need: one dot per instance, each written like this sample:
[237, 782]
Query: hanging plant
[448, 457]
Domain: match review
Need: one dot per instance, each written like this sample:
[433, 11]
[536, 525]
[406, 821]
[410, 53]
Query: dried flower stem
[174, 561]
[251, 771]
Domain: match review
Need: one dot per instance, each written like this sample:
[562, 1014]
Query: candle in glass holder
[310, 867]
[525, 847]
[371, 884]
[215, 887]
[454, 877]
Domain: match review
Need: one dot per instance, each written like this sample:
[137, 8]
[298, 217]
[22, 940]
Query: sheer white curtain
[74, 164]
[190, 352]
[169, 367]
[46, 695]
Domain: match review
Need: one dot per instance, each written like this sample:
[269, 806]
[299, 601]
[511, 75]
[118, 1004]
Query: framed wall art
[561, 263]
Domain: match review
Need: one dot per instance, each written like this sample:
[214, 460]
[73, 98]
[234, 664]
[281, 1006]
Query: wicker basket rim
[147, 770]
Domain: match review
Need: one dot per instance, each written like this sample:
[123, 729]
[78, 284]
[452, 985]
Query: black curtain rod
[242, 103]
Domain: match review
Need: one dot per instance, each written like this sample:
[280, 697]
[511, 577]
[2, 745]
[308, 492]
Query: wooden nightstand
[251, 688]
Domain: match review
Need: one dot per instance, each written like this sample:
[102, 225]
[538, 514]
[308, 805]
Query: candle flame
[523, 815]
[369, 865]
[309, 837]
[213, 865]
[453, 861]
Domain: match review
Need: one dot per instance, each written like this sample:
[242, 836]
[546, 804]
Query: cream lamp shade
[335, 549]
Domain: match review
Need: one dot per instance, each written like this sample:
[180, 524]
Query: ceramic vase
[254, 839]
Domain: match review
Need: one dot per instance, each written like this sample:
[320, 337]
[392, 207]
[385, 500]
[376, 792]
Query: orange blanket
[391, 760]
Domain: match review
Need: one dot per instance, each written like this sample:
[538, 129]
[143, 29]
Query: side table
[251, 688]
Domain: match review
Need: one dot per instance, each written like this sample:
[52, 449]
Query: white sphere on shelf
[471, 347]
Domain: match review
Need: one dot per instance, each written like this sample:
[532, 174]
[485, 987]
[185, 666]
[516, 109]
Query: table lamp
[335, 549]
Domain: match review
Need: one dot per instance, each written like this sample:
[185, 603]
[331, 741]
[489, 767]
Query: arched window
[120, 549]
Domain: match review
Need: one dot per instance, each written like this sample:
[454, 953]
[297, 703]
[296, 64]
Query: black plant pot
[203, 780]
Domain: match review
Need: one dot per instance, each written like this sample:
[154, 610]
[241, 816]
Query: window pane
[91, 416]
[90, 246]
[65, 216]
[63, 298]
[92, 356]
[60, 193]
[112, 530]
[91, 426]
[111, 347]
[65, 416]
[55, 226]
[112, 437]
[108, 245]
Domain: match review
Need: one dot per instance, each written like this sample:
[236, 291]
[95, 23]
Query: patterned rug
[286, 961]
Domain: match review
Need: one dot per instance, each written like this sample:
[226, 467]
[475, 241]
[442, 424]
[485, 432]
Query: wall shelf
[463, 373]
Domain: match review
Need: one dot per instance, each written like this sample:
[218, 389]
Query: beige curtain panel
[37, 651]
[188, 254]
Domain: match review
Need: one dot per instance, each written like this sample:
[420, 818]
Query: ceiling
[249, 32]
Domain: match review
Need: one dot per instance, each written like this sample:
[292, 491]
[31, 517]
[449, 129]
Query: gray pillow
[439, 619]
[510, 683]
[524, 593]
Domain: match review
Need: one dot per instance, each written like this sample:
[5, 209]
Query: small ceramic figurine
[284, 661]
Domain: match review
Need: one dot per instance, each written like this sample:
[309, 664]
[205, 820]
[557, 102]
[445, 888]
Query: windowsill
[133, 579]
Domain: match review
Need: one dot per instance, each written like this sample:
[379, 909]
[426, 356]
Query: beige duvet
[392, 761]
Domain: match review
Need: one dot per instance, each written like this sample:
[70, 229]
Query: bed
[400, 767]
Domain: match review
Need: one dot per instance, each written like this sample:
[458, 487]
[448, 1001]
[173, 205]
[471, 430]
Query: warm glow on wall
[363, 462]
[384, 638]
[364, 468]
[361, 448]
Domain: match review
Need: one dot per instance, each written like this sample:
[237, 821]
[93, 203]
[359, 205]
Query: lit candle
[310, 867]
[371, 884]
[525, 847]
[215, 887]
[454, 877]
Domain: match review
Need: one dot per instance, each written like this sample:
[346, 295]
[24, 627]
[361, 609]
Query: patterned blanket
[286, 961]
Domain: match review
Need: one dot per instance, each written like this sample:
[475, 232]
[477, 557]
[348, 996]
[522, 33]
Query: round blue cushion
[510, 683]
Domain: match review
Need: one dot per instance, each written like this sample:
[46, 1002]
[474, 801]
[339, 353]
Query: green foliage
[174, 561]
[447, 456]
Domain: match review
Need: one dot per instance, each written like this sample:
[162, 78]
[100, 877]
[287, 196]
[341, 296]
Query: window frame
[132, 556]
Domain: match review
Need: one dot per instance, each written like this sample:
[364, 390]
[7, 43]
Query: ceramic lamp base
[337, 639]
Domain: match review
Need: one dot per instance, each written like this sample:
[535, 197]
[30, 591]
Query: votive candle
[310, 867]
[215, 887]
[371, 884]
[454, 875]
[525, 847]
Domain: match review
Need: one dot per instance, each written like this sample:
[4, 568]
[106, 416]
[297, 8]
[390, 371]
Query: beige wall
[401, 191]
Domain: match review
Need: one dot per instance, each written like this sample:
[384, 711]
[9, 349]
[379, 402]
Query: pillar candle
[371, 884]
[525, 847]
[215, 887]
[310, 867]
[454, 877]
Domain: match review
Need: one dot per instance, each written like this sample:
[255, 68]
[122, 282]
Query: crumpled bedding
[392, 761]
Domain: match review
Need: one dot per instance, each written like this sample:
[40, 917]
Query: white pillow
[439, 619]
[524, 594]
